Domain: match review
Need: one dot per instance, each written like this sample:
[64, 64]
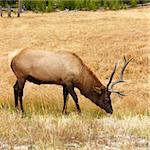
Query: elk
[65, 69]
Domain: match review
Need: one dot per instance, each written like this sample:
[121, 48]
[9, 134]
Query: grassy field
[100, 38]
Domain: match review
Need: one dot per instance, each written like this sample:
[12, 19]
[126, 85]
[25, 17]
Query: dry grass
[100, 38]
[75, 132]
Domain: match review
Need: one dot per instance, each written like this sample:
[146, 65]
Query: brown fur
[62, 68]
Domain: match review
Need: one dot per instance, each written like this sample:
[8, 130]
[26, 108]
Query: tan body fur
[61, 67]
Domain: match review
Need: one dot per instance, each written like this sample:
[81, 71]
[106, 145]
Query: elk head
[103, 94]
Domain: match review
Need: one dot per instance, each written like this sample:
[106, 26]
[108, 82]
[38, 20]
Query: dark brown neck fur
[88, 81]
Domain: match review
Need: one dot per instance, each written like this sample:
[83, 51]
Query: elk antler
[120, 79]
[111, 77]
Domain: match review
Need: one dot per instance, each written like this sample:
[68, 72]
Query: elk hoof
[64, 113]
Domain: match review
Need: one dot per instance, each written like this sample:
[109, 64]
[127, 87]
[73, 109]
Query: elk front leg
[74, 96]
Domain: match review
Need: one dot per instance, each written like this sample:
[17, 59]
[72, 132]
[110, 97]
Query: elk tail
[12, 54]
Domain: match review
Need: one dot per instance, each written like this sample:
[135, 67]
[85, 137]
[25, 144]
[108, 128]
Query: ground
[101, 39]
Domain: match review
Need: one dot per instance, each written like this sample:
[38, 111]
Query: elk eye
[98, 90]
[105, 102]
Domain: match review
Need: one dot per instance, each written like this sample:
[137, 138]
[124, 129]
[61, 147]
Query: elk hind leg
[21, 84]
[16, 90]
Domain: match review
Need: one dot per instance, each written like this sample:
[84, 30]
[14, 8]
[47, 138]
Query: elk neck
[88, 81]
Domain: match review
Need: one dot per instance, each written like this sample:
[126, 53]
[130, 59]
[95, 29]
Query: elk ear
[98, 90]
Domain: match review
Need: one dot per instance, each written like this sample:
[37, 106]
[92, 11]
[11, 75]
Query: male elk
[66, 69]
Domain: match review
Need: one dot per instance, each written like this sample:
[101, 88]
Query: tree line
[54, 5]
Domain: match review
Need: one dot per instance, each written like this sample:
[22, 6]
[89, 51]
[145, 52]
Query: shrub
[66, 4]
[40, 5]
[133, 3]
[92, 5]
[50, 5]
[116, 4]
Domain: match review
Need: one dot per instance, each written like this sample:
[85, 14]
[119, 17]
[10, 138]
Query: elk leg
[75, 98]
[21, 84]
[65, 95]
[16, 93]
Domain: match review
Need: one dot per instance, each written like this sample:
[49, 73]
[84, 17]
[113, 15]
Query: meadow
[101, 39]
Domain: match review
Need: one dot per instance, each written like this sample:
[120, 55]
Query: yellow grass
[75, 132]
[100, 38]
